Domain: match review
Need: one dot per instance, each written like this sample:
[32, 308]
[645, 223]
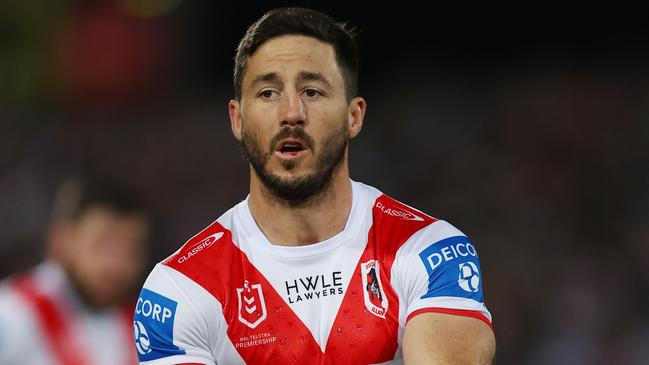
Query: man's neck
[302, 225]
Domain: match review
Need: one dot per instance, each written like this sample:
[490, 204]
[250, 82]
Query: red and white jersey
[229, 296]
[43, 322]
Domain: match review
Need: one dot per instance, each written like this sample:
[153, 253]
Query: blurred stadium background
[526, 127]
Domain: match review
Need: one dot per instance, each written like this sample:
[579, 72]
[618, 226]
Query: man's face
[104, 254]
[293, 115]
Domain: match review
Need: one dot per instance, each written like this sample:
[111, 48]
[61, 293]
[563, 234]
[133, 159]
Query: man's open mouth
[290, 147]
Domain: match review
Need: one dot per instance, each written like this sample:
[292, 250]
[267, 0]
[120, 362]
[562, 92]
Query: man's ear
[234, 110]
[60, 240]
[356, 115]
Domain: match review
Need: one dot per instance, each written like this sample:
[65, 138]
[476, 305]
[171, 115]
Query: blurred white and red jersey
[43, 322]
[229, 296]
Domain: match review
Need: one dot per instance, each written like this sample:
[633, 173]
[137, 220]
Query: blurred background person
[76, 306]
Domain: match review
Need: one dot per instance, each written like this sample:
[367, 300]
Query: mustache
[291, 132]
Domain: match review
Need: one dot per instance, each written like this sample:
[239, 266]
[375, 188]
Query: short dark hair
[78, 194]
[306, 22]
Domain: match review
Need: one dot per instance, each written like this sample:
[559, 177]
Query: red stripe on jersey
[457, 312]
[264, 328]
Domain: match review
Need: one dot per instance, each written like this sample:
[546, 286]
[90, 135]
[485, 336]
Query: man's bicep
[440, 338]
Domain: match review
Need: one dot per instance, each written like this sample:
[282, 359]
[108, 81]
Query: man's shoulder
[393, 209]
[416, 228]
[396, 224]
[9, 296]
[391, 214]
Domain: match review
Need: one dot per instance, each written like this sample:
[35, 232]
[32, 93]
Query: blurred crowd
[538, 151]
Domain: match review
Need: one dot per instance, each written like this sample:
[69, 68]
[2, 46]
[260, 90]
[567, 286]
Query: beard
[300, 190]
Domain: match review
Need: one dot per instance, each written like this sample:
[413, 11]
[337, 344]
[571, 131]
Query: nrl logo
[252, 307]
[375, 300]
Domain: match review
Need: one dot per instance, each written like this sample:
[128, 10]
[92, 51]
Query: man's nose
[294, 113]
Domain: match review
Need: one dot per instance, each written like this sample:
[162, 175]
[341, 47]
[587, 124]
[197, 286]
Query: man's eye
[266, 94]
[312, 93]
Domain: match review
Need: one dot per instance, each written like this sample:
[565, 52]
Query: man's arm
[439, 338]
[438, 276]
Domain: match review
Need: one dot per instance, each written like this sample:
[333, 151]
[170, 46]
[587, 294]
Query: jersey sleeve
[170, 326]
[437, 270]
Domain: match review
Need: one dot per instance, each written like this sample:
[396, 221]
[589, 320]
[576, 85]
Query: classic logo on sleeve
[199, 246]
[453, 269]
[153, 326]
[405, 215]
